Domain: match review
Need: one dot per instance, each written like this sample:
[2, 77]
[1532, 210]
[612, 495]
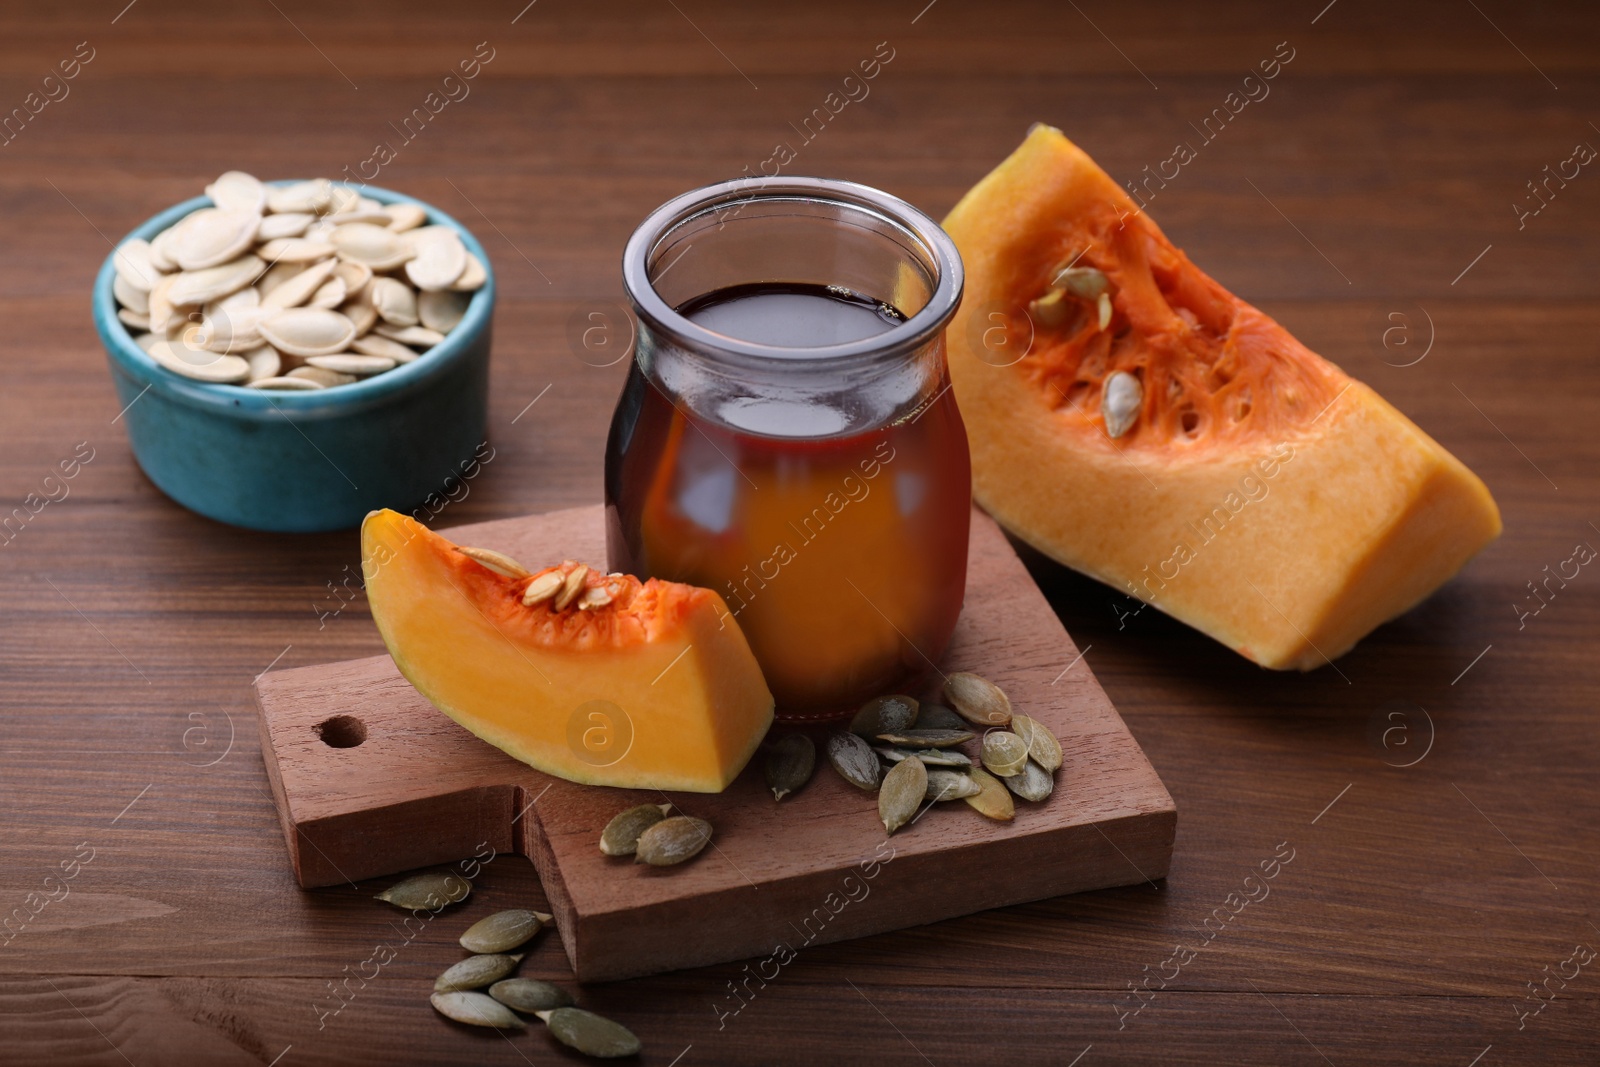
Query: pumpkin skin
[655, 690]
[1262, 495]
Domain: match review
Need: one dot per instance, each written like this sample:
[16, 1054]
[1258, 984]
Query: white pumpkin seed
[473, 277]
[130, 296]
[213, 283]
[360, 313]
[296, 249]
[289, 384]
[133, 265]
[351, 363]
[570, 587]
[419, 336]
[134, 320]
[441, 310]
[789, 763]
[621, 835]
[355, 276]
[853, 758]
[312, 196]
[375, 345]
[977, 699]
[476, 1009]
[329, 295]
[405, 216]
[324, 378]
[672, 840]
[950, 785]
[288, 224]
[440, 257]
[901, 793]
[161, 257]
[394, 301]
[1121, 400]
[297, 289]
[235, 190]
[199, 364]
[591, 1034]
[145, 340]
[543, 587]
[1043, 748]
[529, 995]
[1004, 753]
[377, 247]
[1033, 782]
[475, 972]
[308, 331]
[211, 237]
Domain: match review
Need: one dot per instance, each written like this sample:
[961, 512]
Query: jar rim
[912, 334]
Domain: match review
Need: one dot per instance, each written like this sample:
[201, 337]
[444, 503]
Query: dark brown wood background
[1421, 901]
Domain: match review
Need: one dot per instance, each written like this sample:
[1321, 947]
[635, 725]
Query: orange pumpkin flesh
[656, 689]
[1262, 495]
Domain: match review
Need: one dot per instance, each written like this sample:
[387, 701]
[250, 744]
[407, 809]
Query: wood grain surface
[1371, 191]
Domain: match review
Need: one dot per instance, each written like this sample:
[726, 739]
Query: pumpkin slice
[1173, 441]
[602, 679]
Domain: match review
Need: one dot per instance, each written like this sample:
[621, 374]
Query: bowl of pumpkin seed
[291, 355]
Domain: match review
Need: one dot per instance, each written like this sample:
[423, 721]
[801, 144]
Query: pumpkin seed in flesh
[498, 562]
[1085, 283]
[1043, 748]
[1033, 783]
[621, 835]
[476, 1009]
[789, 763]
[672, 840]
[591, 1034]
[927, 738]
[1004, 753]
[992, 801]
[530, 995]
[939, 717]
[503, 931]
[853, 758]
[570, 587]
[930, 757]
[1121, 400]
[430, 889]
[977, 699]
[885, 714]
[543, 588]
[902, 793]
[950, 785]
[475, 972]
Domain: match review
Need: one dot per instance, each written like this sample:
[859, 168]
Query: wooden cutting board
[418, 789]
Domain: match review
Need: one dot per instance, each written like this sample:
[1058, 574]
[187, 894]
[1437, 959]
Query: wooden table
[1367, 200]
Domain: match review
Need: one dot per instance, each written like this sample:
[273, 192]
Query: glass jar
[787, 435]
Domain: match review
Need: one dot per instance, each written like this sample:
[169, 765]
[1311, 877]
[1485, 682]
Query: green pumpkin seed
[672, 841]
[431, 889]
[977, 700]
[939, 717]
[790, 761]
[476, 1009]
[621, 835]
[591, 1034]
[883, 714]
[902, 792]
[503, 931]
[950, 785]
[530, 995]
[853, 759]
[475, 972]
[992, 801]
[1004, 753]
[1043, 748]
[1034, 783]
[927, 738]
[931, 757]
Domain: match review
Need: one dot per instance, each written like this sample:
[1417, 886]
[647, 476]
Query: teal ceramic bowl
[306, 461]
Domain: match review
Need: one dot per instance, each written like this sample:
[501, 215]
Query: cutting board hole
[342, 731]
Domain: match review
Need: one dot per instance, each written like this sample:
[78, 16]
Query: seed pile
[297, 287]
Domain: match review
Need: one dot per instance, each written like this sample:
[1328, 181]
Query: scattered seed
[621, 835]
[939, 717]
[498, 562]
[1043, 748]
[950, 785]
[927, 738]
[1121, 398]
[930, 757]
[1033, 783]
[530, 995]
[475, 972]
[591, 1034]
[503, 931]
[789, 763]
[672, 840]
[476, 1009]
[1004, 753]
[853, 759]
[431, 889]
[884, 714]
[992, 801]
[977, 699]
[543, 588]
[902, 793]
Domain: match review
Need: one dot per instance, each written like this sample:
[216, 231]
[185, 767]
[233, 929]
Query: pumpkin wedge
[596, 678]
[1134, 420]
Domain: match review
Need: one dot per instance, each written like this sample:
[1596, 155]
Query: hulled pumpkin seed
[885, 714]
[939, 717]
[927, 738]
[672, 841]
[476, 1009]
[1121, 399]
[854, 760]
[530, 995]
[503, 931]
[950, 785]
[789, 763]
[1043, 748]
[1033, 783]
[621, 835]
[977, 699]
[475, 972]
[1004, 753]
[930, 757]
[591, 1034]
[902, 793]
[431, 889]
[992, 801]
